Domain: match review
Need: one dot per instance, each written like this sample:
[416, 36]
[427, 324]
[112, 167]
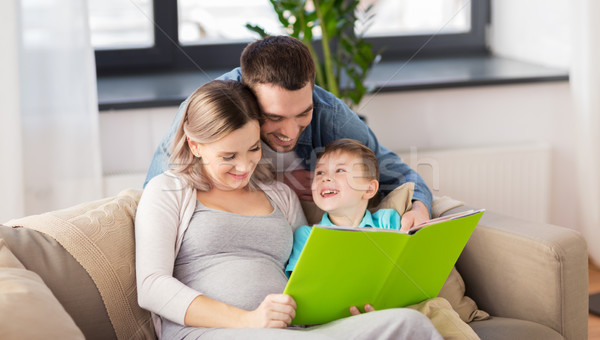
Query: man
[300, 119]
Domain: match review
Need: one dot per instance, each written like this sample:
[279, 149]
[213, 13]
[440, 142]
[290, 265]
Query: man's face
[287, 114]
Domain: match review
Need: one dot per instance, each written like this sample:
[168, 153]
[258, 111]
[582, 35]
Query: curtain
[58, 107]
[11, 171]
[585, 84]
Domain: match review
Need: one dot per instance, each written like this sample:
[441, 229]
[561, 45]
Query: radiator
[511, 180]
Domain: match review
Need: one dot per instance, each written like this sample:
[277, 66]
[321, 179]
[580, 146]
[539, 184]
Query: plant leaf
[257, 29]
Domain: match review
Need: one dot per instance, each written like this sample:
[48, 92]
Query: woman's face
[229, 162]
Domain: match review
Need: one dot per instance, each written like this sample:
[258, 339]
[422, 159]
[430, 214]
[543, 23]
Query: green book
[341, 267]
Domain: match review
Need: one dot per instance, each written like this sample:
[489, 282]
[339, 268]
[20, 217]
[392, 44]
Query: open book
[341, 267]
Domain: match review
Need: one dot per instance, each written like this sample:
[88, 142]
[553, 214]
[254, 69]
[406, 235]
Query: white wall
[563, 33]
[538, 31]
[585, 84]
[128, 139]
[486, 116]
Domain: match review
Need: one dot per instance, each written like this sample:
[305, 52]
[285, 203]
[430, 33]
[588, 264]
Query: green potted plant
[346, 56]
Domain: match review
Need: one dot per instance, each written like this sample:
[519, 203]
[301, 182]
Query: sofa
[70, 274]
[531, 277]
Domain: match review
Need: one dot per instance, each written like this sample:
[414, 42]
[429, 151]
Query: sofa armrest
[529, 271]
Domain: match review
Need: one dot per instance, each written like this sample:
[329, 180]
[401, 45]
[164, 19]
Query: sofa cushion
[100, 236]
[453, 290]
[400, 199]
[29, 310]
[497, 328]
[64, 276]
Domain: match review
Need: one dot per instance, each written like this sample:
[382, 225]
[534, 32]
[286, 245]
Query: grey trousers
[398, 323]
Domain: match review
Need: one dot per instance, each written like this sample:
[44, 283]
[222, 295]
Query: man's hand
[276, 311]
[354, 310]
[417, 215]
[300, 181]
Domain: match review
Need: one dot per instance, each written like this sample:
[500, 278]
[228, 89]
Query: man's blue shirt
[332, 119]
[382, 218]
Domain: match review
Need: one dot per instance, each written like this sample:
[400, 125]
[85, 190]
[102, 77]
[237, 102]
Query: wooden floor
[594, 320]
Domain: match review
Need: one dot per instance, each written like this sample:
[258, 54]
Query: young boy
[346, 177]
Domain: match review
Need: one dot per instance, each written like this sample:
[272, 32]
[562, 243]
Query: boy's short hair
[283, 61]
[357, 149]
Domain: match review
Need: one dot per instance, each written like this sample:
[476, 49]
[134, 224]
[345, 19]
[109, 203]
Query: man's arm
[160, 162]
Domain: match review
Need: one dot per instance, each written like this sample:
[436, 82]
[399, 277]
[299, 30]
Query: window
[214, 22]
[174, 35]
[117, 24]
[418, 17]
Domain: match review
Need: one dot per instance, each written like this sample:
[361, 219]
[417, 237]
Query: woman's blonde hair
[213, 111]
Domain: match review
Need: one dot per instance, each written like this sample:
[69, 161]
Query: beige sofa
[531, 277]
[70, 274]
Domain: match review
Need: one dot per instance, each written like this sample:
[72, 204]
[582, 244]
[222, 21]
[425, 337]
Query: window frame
[168, 55]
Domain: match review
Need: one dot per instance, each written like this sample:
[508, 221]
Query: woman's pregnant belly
[240, 282]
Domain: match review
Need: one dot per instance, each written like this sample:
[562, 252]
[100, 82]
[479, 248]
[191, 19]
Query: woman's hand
[276, 311]
[368, 308]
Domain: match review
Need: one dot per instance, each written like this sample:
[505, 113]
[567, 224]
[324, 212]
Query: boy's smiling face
[340, 186]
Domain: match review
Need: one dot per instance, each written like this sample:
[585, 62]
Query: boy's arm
[387, 219]
[300, 236]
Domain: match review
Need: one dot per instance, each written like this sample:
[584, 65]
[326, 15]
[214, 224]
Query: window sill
[122, 92]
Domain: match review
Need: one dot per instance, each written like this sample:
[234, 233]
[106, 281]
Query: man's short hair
[283, 61]
[356, 149]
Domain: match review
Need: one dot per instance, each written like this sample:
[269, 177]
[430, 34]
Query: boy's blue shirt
[382, 218]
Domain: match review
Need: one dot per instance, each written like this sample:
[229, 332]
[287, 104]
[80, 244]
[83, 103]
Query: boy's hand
[300, 181]
[415, 216]
[368, 308]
